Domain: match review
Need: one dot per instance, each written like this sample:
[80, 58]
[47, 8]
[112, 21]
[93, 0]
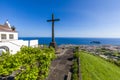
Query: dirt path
[61, 66]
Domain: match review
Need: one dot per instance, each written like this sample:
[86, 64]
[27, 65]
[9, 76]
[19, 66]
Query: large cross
[53, 43]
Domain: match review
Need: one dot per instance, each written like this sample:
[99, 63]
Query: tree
[13, 28]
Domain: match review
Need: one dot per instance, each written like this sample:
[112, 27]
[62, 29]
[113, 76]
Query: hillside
[95, 68]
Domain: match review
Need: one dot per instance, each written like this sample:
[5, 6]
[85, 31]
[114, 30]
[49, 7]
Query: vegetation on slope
[75, 66]
[95, 68]
[30, 63]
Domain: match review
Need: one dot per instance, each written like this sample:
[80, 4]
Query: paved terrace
[61, 66]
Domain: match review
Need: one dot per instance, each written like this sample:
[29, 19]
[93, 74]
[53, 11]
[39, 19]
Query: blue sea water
[75, 41]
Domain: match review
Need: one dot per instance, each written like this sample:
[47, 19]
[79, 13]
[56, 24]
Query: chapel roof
[6, 27]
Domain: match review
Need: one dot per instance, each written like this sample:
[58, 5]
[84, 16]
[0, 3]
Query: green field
[95, 68]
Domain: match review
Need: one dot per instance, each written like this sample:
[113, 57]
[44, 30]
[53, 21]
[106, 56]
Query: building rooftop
[6, 27]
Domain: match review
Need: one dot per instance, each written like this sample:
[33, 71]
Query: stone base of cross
[53, 44]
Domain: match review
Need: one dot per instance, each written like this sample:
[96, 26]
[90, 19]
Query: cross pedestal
[53, 44]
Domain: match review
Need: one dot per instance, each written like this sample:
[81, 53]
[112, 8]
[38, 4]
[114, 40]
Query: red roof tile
[5, 28]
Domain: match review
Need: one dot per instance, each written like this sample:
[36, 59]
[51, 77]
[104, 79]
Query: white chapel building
[9, 39]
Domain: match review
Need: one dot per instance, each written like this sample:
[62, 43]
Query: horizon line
[64, 37]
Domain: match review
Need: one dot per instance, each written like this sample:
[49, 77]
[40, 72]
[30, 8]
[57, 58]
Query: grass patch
[95, 68]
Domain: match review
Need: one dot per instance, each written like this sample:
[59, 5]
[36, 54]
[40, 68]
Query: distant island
[95, 42]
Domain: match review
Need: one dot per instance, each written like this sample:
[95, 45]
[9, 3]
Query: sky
[78, 18]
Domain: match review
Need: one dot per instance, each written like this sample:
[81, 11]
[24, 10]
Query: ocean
[75, 41]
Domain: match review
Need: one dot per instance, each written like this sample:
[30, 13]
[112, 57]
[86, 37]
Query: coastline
[75, 41]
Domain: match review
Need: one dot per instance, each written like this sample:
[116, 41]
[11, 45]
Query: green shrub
[75, 76]
[75, 65]
[33, 63]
